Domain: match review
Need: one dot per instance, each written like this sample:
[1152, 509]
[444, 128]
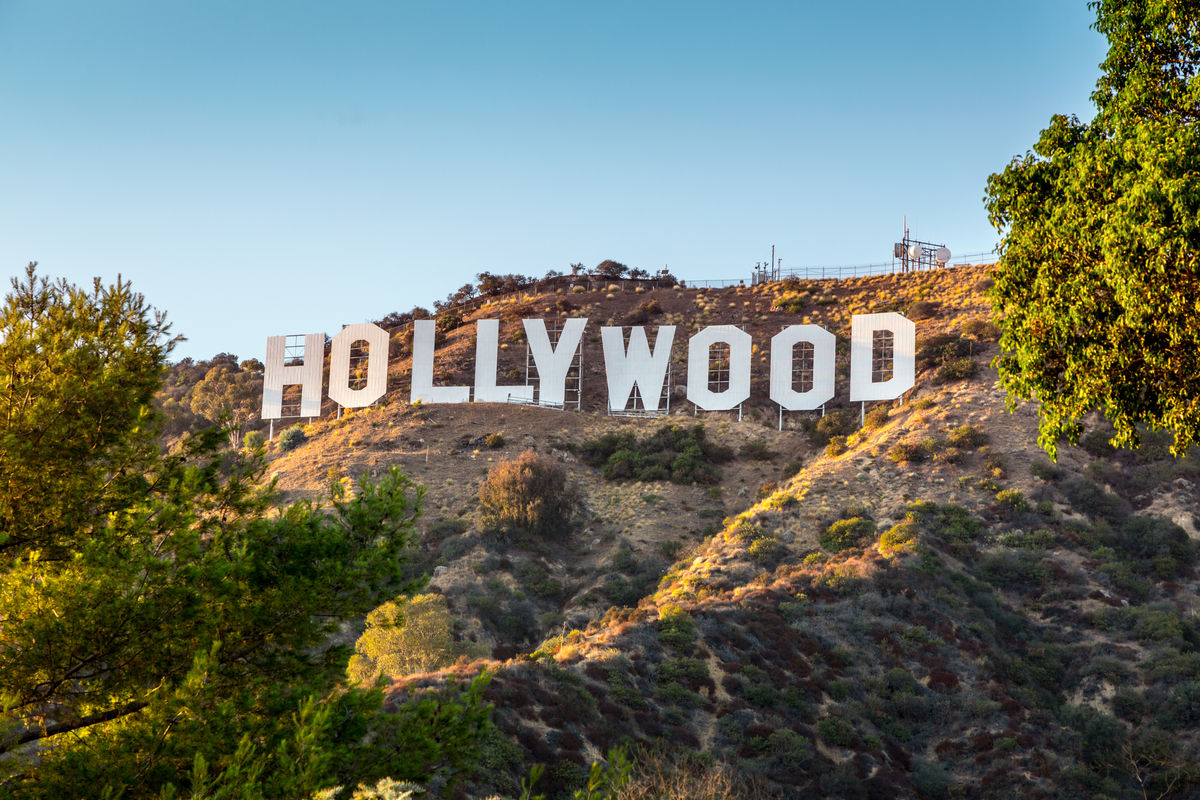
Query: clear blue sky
[263, 168]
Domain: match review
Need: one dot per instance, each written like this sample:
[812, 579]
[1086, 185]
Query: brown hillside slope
[632, 530]
[925, 608]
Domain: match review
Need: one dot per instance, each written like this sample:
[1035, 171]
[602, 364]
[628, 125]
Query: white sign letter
[487, 335]
[279, 375]
[863, 327]
[639, 367]
[699, 353]
[783, 355]
[553, 362]
[422, 371]
[377, 362]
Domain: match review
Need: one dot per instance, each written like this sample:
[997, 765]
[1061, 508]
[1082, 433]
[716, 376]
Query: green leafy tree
[230, 394]
[159, 629]
[610, 269]
[406, 635]
[1098, 287]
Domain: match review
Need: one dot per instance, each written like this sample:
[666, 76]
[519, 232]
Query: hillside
[923, 607]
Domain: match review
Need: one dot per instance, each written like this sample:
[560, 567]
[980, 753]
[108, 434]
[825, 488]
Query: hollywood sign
[627, 364]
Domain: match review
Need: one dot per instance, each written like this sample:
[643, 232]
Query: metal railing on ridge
[844, 271]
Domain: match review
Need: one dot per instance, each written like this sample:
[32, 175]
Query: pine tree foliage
[161, 625]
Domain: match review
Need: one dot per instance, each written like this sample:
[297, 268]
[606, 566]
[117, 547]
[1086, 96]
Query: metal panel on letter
[423, 389]
[739, 368]
[553, 362]
[783, 351]
[377, 362]
[277, 375]
[862, 338]
[487, 335]
[637, 367]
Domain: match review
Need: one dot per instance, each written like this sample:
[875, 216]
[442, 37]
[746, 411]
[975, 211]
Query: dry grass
[659, 777]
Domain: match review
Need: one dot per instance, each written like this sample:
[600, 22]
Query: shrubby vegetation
[530, 495]
[674, 453]
[292, 437]
[847, 533]
[173, 634]
[406, 635]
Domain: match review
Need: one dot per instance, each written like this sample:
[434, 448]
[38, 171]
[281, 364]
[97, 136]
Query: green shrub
[403, 636]
[674, 453]
[677, 695]
[982, 329]
[932, 779]
[847, 533]
[643, 313]
[689, 671]
[950, 522]
[1148, 538]
[675, 627]
[291, 438]
[766, 549]
[790, 301]
[791, 468]
[1157, 622]
[793, 750]
[448, 321]
[922, 309]
[1039, 539]
[836, 731]
[529, 494]
[494, 441]
[902, 536]
[994, 466]
[968, 437]
[1014, 569]
[670, 548]
[1044, 470]
[877, 417]
[836, 446]
[1183, 706]
[253, 440]
[1094, 502]
[1011, 500]
[1097, 443]
[908, 451]
[900, 681]
[957, 370]
[756, 450]
[762, 694]
[836, 422]
[1101, 735]
[940, 349]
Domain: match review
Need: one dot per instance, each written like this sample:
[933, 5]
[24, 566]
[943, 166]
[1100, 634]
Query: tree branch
[74, 725]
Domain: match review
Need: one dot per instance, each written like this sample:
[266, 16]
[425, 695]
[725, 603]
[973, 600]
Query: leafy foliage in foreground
[161, 633]
[1097, 286]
